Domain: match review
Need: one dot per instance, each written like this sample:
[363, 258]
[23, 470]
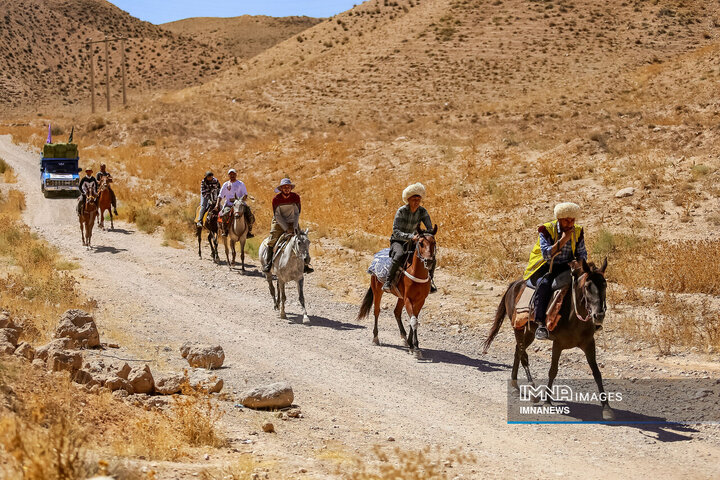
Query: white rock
[625, 192]
[79, 326]
[203, 356]
[274, 395]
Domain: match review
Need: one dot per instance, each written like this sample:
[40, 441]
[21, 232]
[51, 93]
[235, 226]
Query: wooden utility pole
[107, 41]
[92, 78]
[122, 69]
[107, 74]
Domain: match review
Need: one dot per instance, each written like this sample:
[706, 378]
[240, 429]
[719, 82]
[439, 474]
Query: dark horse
[210, 223]
[585, 302]
[413, 286]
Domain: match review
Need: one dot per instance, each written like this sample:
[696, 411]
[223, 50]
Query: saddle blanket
[380, 265]
[523, 311]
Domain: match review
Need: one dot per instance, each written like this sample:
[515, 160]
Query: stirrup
[387, 287]
[249, 235]
[308, 269]
[541, 333]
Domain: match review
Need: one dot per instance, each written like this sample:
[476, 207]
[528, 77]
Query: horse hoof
[514, 384]
[306, 320]
[405, 342]
[283, 316]
[418, 354]
[608, 413]
[376, 341]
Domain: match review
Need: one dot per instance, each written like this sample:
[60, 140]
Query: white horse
[238, 232]
[288, 265]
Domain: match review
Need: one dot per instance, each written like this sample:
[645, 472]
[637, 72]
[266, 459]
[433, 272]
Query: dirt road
[353, 394]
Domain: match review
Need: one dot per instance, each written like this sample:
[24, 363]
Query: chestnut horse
[104, 202]
[87, 219]
[581, 315]
[413, 288]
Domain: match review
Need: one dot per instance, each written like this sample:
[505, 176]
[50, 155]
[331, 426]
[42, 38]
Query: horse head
[239, 206]
[302, 244]
[425, 247]
[592, 286]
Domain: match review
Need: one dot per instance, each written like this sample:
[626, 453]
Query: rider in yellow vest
[559, 244]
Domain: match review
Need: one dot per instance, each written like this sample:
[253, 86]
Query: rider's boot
[394, 267]
[250, 234]
[308, 268]
[268, 260]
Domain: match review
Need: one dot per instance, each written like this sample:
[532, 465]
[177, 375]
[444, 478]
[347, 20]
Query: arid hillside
[45, 59]
[242, 37]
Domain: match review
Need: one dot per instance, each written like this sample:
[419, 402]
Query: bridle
[427, 262]
[581, 282]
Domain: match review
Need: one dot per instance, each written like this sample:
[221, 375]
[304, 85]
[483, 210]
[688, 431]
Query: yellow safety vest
[536, 258]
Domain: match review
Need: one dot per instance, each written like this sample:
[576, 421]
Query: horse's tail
[366, 304]
[499, 317]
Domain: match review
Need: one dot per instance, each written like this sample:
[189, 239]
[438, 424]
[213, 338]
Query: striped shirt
[406, 222]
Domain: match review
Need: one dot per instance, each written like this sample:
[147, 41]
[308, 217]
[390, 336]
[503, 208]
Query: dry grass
[196, 417]
[425, 464]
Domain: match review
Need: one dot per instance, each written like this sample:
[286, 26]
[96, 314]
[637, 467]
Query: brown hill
[242, 37]
[454, 62]
[45, 58]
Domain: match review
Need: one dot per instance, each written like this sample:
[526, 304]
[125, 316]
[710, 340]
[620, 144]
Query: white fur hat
[412, 190]
[567, 210]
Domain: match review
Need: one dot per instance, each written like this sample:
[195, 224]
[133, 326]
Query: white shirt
[229, 191]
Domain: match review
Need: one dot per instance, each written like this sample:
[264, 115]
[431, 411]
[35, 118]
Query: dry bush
[425, 464]
[196, 417]
[242, 468]
[146, 220]
[34, 289]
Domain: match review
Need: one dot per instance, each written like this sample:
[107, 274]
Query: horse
[413, 288]
[104, 202]
[238, 232]
[585, 302]
[87, 219]
[210, 223]
[288, 265]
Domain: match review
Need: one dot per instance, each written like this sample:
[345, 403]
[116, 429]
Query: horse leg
[198, 234]
[556, 351]
[377, 296]
[301, 294]
[528, 337]
[227, 252]
[516, 361]
[398, 317]
[112, 225]
[232, 248]
[589, 350]
[414, 323]
[242, 255]
[281, 295]
[272, 291]
[82, 232]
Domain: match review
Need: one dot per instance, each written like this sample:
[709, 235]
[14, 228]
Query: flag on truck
[72, 130]
[49, 139]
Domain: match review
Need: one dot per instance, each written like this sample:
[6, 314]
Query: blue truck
[59, 170]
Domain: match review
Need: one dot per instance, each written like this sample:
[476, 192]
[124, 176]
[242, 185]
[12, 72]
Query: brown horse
[413, 289]
[585, 302]
[87, 219]
[104, 202]
[210, 223]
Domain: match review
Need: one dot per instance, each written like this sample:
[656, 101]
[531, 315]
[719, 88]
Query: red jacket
[280, 199]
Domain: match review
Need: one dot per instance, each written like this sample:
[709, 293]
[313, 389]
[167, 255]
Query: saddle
[380, 267]
[524, 302]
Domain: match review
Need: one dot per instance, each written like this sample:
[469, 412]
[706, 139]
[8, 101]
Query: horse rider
[286, 218]
[407, 219]
[231, 189]
[560, 243]
[104, 173]
[209, 189]
[88, 186]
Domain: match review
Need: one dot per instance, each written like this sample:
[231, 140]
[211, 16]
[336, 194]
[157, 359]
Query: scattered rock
[116, 383]
[294, 413]
[203, 356]
[268, 427]
[201, 380]
[6, 348]
[141, 379]
[56, 345]
[84, 377]
[169, 384]
[391, 439]
[79, 326]
[625, 192]
[120, 393]
[5, 320]
[274, 395]
[39, 363]
[10, 335]
[60, 360]
[25, 350]
[124, 371]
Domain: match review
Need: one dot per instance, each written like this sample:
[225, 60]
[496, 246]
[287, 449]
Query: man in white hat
[286, 219]
[407, 219]
[232, 189]
[559, 244]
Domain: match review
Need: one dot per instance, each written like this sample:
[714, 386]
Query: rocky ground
[353, 395]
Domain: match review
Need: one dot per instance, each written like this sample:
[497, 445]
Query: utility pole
[107, 74]
[92, 78]
[122, 69]
[107, 41]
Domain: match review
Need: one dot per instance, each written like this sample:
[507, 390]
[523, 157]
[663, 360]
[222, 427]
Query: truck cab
[59, 170]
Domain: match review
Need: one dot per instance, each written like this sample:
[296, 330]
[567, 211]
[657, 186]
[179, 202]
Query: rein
[424, 261]
[581, 283]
